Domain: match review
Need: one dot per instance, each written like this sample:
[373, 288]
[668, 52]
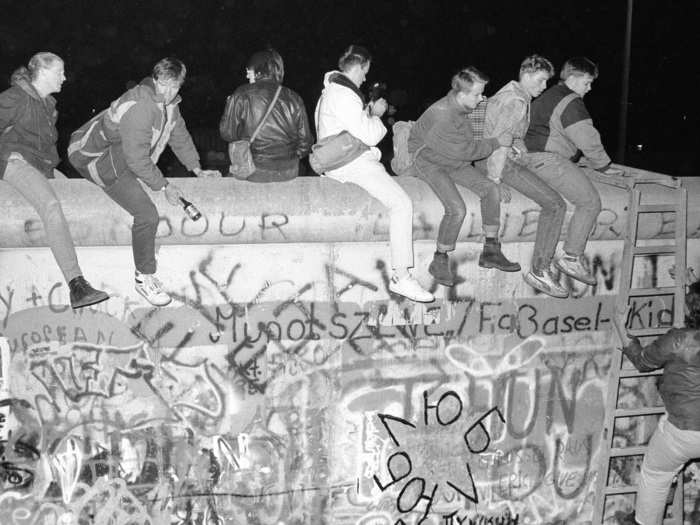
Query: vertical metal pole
[622, 124]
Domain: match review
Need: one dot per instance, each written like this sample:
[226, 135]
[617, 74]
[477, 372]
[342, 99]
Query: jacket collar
[339, 78]
[21, 80]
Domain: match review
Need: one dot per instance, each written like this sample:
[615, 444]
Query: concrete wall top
[309, 209]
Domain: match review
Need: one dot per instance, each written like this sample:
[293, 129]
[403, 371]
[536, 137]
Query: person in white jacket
[342, 108]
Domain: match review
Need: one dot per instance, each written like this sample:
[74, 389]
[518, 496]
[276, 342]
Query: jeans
[574, 185]
[443, 183]
[368, 173]
[35, 188]
[551, 216]
[130, 195]
[669, 449]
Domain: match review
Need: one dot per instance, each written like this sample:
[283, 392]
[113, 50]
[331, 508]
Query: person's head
[468, 87]
[578, 74]
[46, 72]
[354, 63]
[692, 306]
[266, 64]
[535, 71]
[168, 75]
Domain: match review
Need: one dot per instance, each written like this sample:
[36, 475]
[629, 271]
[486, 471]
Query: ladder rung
[635, 412]
[656, 249]
[616, 491]
[656, 208]
[633, 372]
[649, 292]
[627, 451]
[646, 332]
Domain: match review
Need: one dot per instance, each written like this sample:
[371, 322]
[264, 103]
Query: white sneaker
[546, 283]
[151, 288]
[573, 267]
[410, 288]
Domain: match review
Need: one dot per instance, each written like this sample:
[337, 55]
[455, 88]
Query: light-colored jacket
[341, 109]
[507, 111]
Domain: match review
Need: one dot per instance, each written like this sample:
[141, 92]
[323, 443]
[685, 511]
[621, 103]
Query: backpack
[402, 160]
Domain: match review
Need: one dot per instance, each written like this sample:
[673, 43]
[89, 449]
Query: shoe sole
[574, 276]
[170, 299]
[502, 268]
[537, 286]
[97, 300]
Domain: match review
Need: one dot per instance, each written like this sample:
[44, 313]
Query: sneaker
[82, 294]
[410, 288]
[151, 288]
[545, 283]
[572, 266]
[492, 257]
[440, 269]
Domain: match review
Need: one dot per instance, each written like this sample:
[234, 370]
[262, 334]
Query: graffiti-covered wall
[285, 385]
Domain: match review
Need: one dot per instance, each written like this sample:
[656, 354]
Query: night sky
[416, 45]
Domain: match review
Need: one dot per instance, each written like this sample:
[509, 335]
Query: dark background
[416, 45]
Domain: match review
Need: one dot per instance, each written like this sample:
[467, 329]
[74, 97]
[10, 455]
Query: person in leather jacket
[676, 439]
[285, 136]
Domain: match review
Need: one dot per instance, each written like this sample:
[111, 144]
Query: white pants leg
[367, 172]
[669, 449]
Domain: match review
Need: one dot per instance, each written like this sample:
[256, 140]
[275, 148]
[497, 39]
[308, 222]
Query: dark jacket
[678, 352]
[28, 125]
[447, 133]
[130, 135]
[285, 136]
[560, 123]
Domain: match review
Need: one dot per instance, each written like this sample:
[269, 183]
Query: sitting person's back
[284, 137]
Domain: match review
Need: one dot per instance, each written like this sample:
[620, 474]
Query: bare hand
[505, 139]
[619, 320]
[613, 172]
[378, 107]
[173, 194]
[199, 172]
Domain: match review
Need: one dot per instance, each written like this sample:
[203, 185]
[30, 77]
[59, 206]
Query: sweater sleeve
[9, 109]
[656, 354]
[578, 127]
[181, 143]
[136, 131]
[442, 138]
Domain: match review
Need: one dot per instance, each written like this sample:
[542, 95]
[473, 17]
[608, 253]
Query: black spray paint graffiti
[399, 465]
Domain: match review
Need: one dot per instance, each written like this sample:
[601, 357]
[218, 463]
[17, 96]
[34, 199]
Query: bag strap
[267, 113]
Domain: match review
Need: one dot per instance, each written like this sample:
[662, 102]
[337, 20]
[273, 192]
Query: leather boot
[440, 269]
[492, 257]
[82, 294]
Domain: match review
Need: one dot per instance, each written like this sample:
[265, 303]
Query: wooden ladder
[640, 187]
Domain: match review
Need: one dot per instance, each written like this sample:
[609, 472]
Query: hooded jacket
[285, 136]
[341, 108]
[130, 135]
[28, 125]
[678, 352]
[506, 111]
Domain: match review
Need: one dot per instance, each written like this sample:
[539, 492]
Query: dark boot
[82, 294]
[440, 269]
[492, 257]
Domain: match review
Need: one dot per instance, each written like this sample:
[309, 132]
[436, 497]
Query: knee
[147, 216]
[559, 206]
[457, 209]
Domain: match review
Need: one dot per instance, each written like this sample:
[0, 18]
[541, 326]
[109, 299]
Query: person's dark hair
[692, 303]
[535, 63]
[578, 66]
[169, 68]
[466, 78]
[267, 64]
[354, 55]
